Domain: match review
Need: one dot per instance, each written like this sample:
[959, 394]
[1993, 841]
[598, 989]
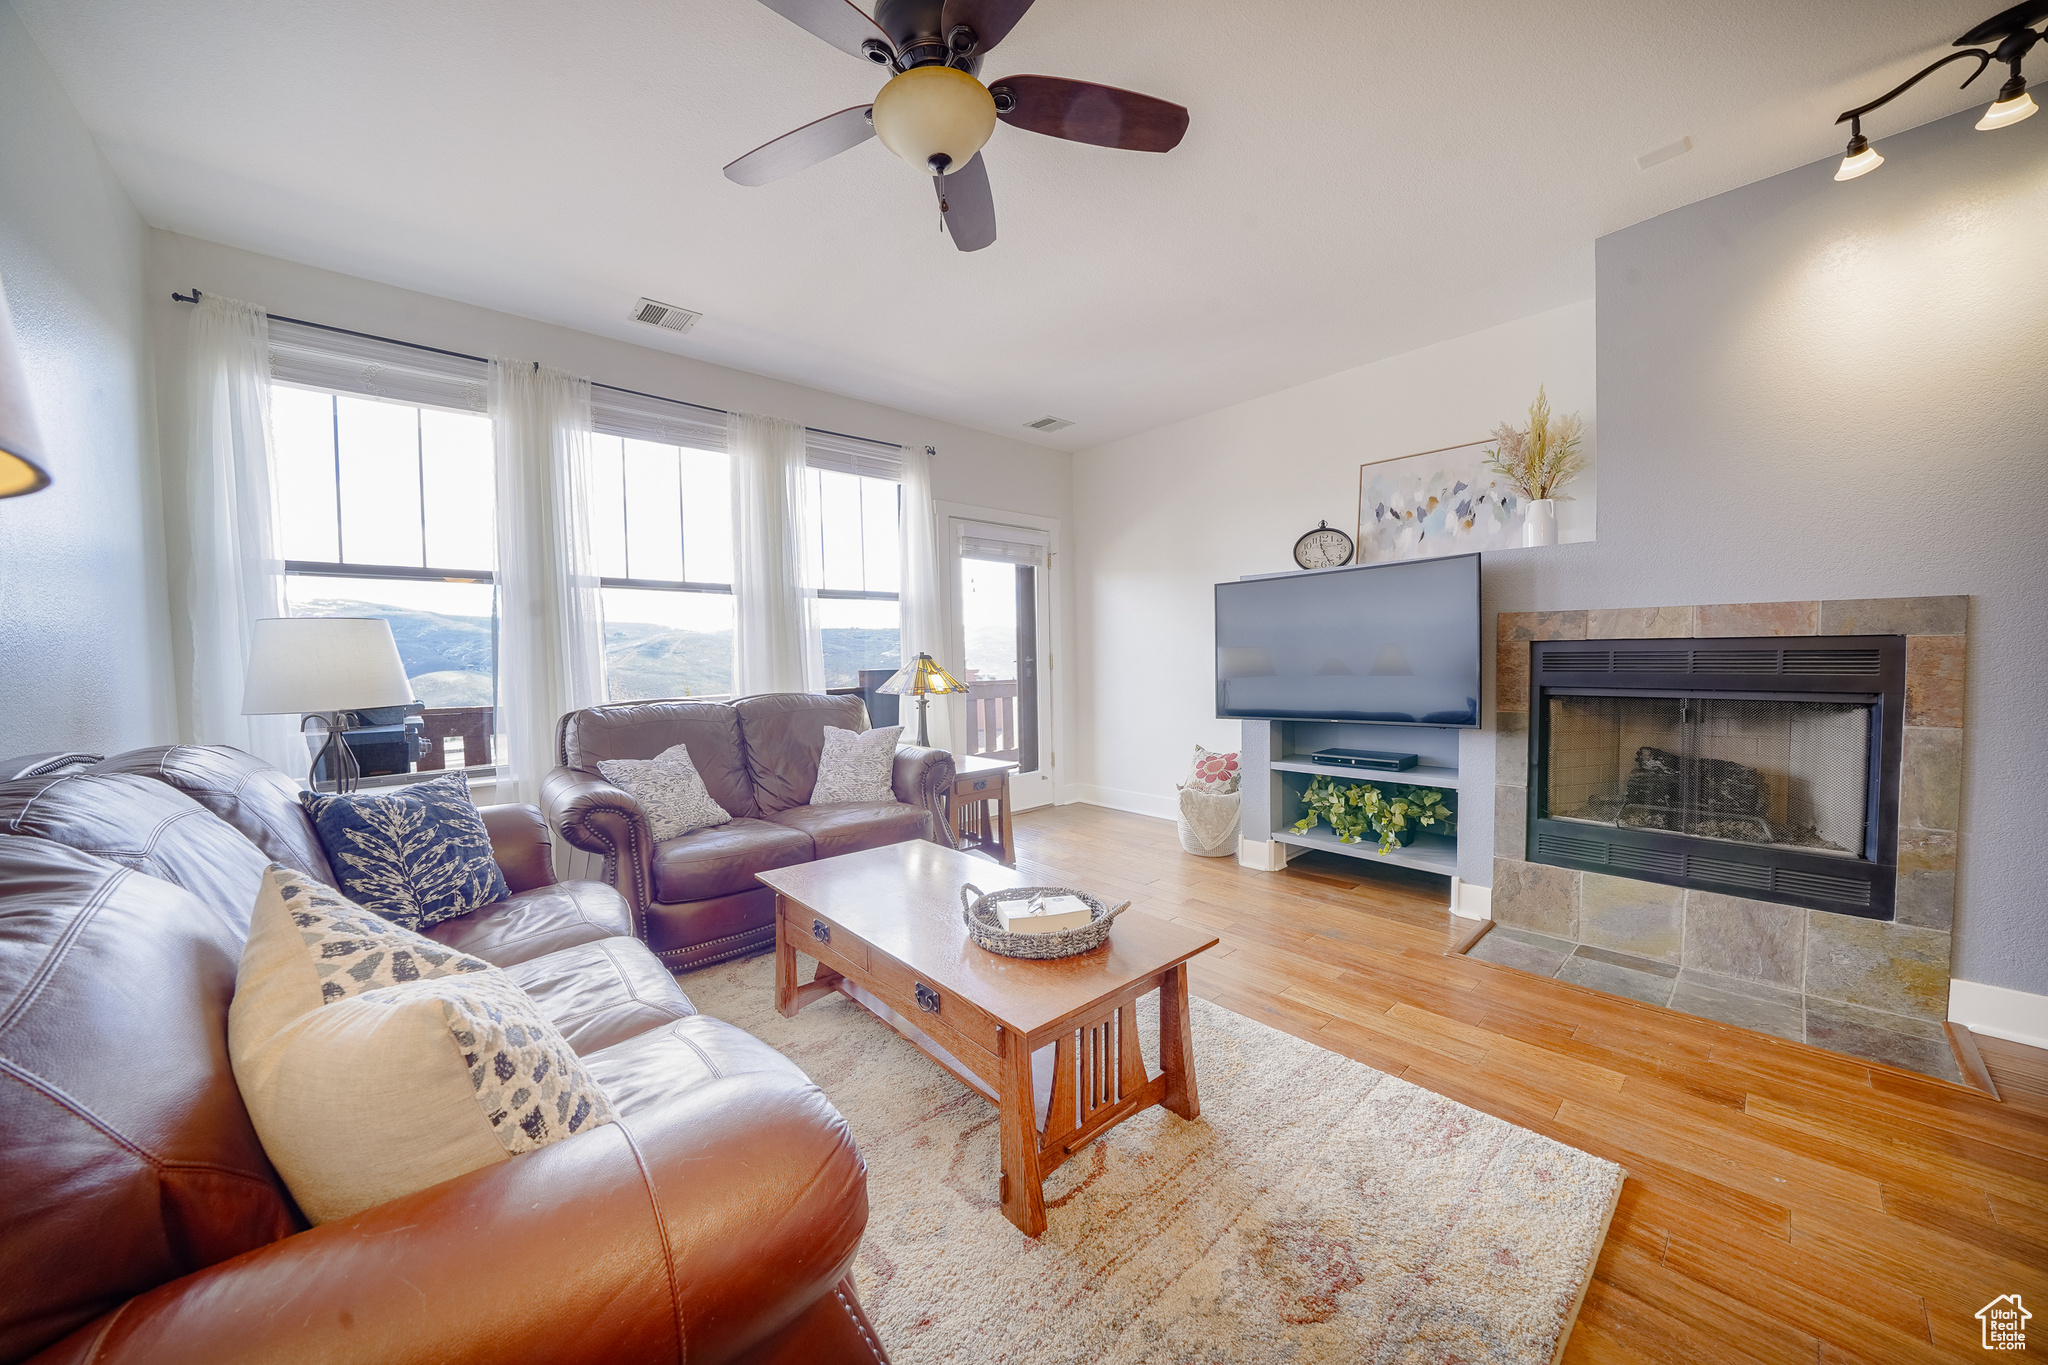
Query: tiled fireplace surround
[1871, 988]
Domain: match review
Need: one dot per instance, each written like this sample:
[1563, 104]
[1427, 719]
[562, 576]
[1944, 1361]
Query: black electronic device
[1365, 758]
[1375, 644]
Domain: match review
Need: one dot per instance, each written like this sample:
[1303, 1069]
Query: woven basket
[984, 926]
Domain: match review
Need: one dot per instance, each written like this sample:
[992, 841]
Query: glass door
[1000, 614]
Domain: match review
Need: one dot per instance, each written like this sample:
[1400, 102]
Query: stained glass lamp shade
[921, 678]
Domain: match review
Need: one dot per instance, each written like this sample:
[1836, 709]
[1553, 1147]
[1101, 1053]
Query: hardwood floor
[1783, 1203]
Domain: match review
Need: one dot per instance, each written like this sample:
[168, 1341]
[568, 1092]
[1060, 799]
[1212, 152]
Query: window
[857, 549]
[386, 509]
[661, 518]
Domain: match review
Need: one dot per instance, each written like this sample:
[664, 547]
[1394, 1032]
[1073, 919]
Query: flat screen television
[1389, 644]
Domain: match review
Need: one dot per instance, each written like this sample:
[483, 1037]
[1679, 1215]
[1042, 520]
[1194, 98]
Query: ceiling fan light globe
[2006, 113]
[934, 111]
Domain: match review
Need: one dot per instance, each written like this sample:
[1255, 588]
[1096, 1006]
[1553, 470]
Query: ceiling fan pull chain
[944, 207]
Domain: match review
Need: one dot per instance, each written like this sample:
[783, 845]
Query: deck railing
[992, 718]
[457, 737]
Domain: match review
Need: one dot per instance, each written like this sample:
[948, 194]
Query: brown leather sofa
[694, 899]
[716, 1220]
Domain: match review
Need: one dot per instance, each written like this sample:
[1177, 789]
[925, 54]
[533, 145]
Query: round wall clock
[1323, 548]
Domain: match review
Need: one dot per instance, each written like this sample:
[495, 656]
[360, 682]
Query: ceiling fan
[935, 113]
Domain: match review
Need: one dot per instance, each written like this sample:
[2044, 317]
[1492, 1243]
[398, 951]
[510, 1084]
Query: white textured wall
[1806, 390]
[972, 467]
[1164, 516]
[84, 649]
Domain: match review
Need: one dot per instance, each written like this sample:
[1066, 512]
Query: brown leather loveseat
[716, 1220]
[694, 899]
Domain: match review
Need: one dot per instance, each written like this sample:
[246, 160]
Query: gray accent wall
[1819, 390]
[84, 635]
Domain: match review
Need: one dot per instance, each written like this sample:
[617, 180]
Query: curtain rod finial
[176, 297]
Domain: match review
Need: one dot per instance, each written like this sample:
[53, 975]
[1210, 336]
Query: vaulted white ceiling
[1360, 177]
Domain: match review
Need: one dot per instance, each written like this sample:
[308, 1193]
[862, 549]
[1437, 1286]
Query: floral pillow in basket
[1214, 772]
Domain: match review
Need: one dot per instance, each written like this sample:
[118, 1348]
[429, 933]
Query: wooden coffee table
[1054, 1045]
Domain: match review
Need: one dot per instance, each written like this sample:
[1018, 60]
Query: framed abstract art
[1438, 502]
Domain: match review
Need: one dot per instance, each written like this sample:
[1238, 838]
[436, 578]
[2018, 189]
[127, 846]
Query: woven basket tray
[978, 909]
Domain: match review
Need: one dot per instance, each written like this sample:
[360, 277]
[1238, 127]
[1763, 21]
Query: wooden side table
[979, 783]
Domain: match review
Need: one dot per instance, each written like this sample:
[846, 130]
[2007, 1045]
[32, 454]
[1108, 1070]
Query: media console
[1276, 767]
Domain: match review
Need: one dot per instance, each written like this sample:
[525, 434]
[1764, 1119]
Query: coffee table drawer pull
[821, 931]
[927, 999]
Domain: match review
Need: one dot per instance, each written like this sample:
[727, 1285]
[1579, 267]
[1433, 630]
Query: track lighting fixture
[2014, 34]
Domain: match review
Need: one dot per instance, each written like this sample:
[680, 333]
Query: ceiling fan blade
[805, 146]
[1083, 112]
[991, 20]
[838, 22]
[970, 209]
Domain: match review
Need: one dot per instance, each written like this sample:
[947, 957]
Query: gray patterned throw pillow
[857, 767]
[669, 789]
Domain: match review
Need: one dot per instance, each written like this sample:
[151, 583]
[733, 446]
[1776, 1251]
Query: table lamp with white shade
[326, 666]
[922, 678]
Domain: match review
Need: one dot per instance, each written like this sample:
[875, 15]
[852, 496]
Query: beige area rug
[1317, 1211]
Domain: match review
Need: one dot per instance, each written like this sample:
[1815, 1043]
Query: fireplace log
[1717, 783]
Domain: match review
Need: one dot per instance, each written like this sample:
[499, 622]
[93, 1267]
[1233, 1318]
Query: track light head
[1860, 159]
[2013, 105]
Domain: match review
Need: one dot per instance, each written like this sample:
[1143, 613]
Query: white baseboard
[1115, 798]
[1469, 901]
[1999, 1012]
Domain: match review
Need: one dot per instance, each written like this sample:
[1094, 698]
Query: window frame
[895, 480]
[678, 440]
[491, 768]
[846, 455]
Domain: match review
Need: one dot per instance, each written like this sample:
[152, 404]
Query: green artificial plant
[1394, 815]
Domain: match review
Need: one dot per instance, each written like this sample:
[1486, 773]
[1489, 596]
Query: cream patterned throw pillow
[375, 1062]
[339, 949]
[670, 791]
[857, 767]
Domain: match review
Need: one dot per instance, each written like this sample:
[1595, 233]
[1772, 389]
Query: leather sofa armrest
[520, 843]
[696, 1229]
[597, 817]
[924, 777]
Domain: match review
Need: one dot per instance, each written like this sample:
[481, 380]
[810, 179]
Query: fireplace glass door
[1786, 773]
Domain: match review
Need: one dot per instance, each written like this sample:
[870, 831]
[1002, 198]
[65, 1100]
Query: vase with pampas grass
[1538, 461]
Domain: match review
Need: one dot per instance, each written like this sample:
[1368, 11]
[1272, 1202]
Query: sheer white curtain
[237, 574]
[924, 620]
[777, 646]
[551, 621]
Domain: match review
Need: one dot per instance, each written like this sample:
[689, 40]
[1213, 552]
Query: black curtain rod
[485, 360]
[458, 355]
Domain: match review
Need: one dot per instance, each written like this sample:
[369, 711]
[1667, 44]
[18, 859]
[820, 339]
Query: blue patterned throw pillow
[416, 855]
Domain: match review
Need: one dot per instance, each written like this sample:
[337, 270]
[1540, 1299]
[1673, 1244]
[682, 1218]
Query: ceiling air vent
[665, 315]
[1049, 424]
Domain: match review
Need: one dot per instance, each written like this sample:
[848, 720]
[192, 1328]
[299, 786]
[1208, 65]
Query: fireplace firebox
[1765, 768]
